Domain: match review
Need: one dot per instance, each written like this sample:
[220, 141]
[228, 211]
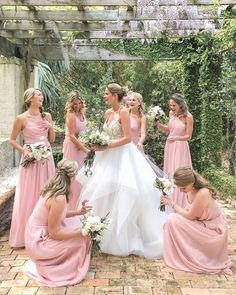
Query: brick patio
[121, 276]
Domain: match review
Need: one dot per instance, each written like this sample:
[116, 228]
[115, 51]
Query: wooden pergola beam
[103, 26]
[51, 37]
[105, 2]
[88, 52]
[104, 15]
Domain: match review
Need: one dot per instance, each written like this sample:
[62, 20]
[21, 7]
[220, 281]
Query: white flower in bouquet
[89, 138]
[94, 226]
[157, 113]
[37, 152]
[166, 186]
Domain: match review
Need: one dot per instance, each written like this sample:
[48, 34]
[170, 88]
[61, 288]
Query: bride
[122, 185]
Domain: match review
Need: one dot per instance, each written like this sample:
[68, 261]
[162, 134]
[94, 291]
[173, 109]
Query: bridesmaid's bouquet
[156, 113]
[94, 226]
[166, 186]
[37, 152]
[89, 138]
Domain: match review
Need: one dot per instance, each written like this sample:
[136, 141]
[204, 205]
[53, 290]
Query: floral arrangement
[89, 138]
[94, 226]
[37, 152]
[166, 186]
[156, 113]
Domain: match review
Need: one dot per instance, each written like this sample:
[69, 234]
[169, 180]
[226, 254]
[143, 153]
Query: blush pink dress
[55, 263]
[71, 152]
[177, 154]
[30, 182]
[199, 246]
[135, 131]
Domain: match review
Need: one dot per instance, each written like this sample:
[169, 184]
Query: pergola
[51, 29]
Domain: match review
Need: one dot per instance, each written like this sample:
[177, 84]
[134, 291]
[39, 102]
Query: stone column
[11, 101]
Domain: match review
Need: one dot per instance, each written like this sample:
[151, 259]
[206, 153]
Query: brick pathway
[121, 276]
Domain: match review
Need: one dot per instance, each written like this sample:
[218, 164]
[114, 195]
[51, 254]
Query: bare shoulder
[58, 201]
[189, 117]
[108, 112]
[203, 196]
[124, 110]
[48, 116]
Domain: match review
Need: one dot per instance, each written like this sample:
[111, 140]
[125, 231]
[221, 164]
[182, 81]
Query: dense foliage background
[202, 68]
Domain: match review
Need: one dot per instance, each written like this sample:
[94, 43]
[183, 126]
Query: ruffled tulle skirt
[122, 185]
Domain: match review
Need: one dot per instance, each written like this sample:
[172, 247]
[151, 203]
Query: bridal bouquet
[166, 186]
[90, 137]
[94, 226]
[157, 113]
[37, 152]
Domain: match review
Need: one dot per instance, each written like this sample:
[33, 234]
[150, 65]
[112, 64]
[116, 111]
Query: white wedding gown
[122, 185]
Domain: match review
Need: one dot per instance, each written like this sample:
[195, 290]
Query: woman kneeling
[196, 237]
[59, 254]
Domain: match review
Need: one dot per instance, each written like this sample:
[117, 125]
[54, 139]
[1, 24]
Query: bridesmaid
[177, 153]
[35, 126]
[59, 254]
[73, 148]
[196, 238]
[138, 120]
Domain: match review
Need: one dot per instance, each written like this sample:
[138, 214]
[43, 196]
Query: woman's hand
[166, 201]
[45, 124]
[173, 138]
[25, 153]
[140, 146]
[95, 147]
[85, 208]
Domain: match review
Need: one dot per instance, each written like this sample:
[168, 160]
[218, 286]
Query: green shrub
[223, 182]
[57, 156]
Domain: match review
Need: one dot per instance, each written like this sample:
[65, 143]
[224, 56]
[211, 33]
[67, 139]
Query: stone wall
[6, 154]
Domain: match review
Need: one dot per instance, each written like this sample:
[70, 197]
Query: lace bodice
[113, 129]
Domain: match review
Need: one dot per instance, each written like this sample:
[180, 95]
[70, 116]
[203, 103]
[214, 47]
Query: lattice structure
[44, 25]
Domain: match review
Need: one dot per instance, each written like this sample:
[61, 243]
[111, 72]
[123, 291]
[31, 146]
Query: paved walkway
[121, 276]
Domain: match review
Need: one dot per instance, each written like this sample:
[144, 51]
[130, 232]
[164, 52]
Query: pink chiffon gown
[135, 131]
[177, 154]
[199, 246]
[30, 182]
[55, 263]
[71, 152]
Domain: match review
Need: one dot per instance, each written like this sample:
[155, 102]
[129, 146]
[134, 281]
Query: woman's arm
[125, 124]
[143, 130]
[163, 127]
[200, 202]
[18, 125]
[51, 132]
[56, 208]
[84, 209]
[70, 121]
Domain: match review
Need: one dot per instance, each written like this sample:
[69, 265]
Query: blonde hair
[140, 100]
[60, 183]
[72, 97]
[28, 95]
[178, 98]
[184, 176]
[117, 89]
